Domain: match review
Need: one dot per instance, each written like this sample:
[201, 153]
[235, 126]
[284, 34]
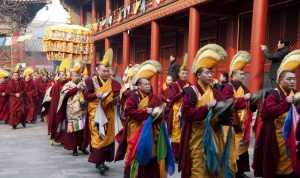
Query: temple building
[138, 30]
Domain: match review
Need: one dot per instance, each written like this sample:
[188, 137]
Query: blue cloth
[145, 143]
[170, 159]
[287, 126]
[211, 161]
[2, 41]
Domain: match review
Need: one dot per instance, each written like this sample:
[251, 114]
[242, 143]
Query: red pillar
[81, 13]
[94, 20]
[230, 44]
[258, 34]
[154, 51]
[108, 8]
[193, 39]
[126, 50]
[107, 44]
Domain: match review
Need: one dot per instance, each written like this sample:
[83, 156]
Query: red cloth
[190, 114]
[55, 119]
[4, 107]
[31, 98]
[266, 146]
[16, 104]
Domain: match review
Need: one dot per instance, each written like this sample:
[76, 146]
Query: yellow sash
[98, 142]
[198, 168]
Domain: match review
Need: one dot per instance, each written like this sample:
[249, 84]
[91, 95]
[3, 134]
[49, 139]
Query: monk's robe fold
[4, 104]
[16, 104]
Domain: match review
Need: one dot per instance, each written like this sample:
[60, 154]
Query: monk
[56, 118]
[31, 96]
[102, 93]
[16, 101]
[4, 106]
[201, 132]
[242, 125]
[138, 107]
[271, 158]
[174, 100]
[75, 112]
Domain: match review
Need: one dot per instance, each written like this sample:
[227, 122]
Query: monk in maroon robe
[56, 118]
[16, 101]
[271, 159]
[4, 107]
[31, 98]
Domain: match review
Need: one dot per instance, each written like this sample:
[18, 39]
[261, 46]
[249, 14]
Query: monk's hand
[212, 103]
[3, 94]
[17, 95]
[149, 110]
[263, 47]
[247, 96]
[290, 99]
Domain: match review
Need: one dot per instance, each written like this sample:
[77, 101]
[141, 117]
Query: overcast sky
[55, 13]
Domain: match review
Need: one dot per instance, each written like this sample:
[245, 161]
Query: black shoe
[24, 124]
[75, 152]
[105, 167]
[86, 152]
[102, 169]
[14, 127]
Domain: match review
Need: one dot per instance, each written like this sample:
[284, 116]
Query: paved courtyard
[26, 153]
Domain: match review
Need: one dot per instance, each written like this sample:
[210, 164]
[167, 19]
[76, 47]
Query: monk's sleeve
[189, 109]
[132, 111]
[89, 93]
[72, 92]
[273, 107]
[227, 92]
[175, 94]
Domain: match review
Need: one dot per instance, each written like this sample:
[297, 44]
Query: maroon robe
[31, 98]
[133, 112]
[4, 106]
[75, 139]
[55, 119]
[191, 113]
[175, 92]
[16, 104]
[266, 151]
[99, 156]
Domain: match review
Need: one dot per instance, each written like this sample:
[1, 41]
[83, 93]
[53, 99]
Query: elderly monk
[75, 111]
[4, 107]
[203, 152]
[174, 100]
[139, 105]
[102, 93]
[274, 154]
[15, 91]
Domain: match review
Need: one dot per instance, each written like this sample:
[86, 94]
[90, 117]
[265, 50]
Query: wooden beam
[138, 20]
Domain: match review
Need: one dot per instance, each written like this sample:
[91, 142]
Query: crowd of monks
[204, 125]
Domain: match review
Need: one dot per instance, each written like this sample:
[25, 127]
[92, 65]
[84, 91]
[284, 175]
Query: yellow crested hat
[77, 67]
[239, 61]
[131, 71]
[184, 62]
[17, 68]
[28, 71]
[107, 58]
[4, 73]
[208, 57]
[65, 66]
[147, 70]
[290, 62]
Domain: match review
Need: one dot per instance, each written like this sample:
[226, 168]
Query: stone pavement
[26, 153]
